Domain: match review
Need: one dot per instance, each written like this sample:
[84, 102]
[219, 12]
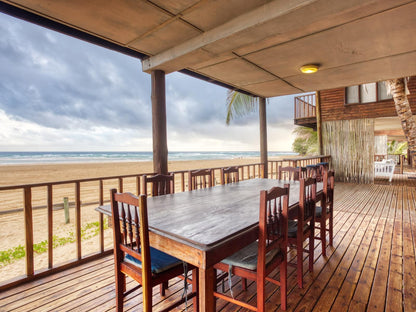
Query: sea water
[14, 158]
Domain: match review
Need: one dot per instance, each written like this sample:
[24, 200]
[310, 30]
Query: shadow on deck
[371, 266]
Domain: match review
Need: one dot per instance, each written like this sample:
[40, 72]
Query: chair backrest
[307, 200]
[131, 230]
[161, 184]
[199, 179]
[273, 219]
[230, 175]
[316, 171]
[291, 173]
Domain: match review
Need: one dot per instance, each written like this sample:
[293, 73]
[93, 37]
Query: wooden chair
[160, 184]
[230, 175]
[302, 226]
[291, 173]
[322, 215]
[259, 259]
[134, 257]
[200, 179]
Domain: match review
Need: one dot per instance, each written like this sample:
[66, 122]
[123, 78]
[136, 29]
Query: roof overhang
[255, 46]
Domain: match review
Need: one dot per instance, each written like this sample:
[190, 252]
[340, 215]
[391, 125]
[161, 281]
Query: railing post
[50, 227]
[78, 218]
[138, 185]
[28, 230]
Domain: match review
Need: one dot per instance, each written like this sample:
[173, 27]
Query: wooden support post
[319, 123]
[160, 146]
[78, 218]
[50, 227]
[28, 230]
[263, 136]
[66, 210]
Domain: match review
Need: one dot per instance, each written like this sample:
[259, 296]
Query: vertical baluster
[78, 217]
[182, 182]
[120, 185]
[28, 230]
[101, 217]
[130, 226]
[50, 227]
[123, 222]
[136, 221]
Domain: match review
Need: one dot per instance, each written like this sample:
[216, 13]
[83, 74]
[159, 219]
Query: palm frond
[239, 104]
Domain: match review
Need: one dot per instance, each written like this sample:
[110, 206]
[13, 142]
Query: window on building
[366, 93]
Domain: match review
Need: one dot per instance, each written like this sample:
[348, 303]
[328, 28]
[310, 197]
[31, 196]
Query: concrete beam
[262, 14]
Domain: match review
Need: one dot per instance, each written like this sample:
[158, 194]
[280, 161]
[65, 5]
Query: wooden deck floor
[370, 268]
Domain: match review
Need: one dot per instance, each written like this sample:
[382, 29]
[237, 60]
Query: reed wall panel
[333, 107]
[351, 145]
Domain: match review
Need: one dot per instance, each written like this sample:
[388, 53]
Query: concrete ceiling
[256, 46]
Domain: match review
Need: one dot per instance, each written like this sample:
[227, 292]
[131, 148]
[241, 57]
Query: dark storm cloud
[49, 78]
[64, 83]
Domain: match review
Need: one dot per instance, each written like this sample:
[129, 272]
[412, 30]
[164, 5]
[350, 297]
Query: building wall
[348, 132]
[333, 107]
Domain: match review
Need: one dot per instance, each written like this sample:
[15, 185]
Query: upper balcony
[305, 110]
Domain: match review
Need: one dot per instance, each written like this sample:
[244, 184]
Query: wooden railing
[309, 160]
[86, 194]
[82, 194]
[305, 106]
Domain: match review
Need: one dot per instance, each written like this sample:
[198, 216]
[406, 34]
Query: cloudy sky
[62, 94]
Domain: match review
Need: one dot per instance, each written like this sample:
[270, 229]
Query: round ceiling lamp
[309, 69]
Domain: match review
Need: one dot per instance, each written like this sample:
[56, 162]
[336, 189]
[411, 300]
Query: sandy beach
[12, 224]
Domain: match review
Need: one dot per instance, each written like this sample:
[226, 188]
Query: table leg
[206, 290]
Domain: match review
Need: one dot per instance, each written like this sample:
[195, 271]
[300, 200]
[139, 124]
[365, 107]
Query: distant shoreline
[44, 158]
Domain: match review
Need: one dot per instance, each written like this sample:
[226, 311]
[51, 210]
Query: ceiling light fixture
[309, 69]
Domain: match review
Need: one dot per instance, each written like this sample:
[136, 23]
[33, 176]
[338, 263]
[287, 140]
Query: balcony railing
[21, 204]
[305, 106]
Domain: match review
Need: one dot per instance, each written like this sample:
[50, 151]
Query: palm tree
[397, 88]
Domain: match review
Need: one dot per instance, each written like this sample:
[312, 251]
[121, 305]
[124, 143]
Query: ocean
[15, 158]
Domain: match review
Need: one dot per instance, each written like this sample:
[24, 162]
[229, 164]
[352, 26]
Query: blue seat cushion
[247, 257]
[160, 261]
[323, 163]
[318, 211]
[292, 228]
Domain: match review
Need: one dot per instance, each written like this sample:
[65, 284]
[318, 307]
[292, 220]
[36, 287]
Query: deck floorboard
[371, 266]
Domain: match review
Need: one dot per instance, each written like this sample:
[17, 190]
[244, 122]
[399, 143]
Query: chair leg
[311, 249]
[163, 287]
[283, 284]
[244, 283]
[120, 289]
[299, 263]
[261, 295]
[331, 229]
[323, 236]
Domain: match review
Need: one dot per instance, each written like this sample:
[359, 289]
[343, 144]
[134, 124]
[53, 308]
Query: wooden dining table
[204, 226]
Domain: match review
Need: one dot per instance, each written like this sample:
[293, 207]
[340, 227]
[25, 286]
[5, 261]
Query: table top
[203, 218]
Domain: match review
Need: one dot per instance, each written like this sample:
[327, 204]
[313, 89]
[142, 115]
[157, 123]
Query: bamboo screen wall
[351, 146]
